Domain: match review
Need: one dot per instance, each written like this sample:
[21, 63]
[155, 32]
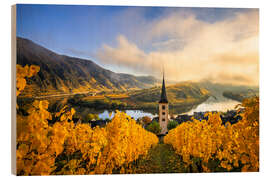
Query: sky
[191, 44]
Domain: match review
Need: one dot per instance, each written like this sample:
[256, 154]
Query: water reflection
[133, 113]
[210, 105]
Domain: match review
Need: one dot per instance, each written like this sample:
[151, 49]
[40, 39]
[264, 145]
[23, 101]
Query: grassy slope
[160, 159]
[182, 97]
[178, 95]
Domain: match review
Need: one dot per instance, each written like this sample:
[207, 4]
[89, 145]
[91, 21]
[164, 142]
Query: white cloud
[191, 49]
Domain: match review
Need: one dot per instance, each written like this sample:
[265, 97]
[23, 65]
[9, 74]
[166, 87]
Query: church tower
[163, 109]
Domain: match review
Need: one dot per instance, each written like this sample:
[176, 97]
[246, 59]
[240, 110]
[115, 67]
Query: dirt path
[161, 159]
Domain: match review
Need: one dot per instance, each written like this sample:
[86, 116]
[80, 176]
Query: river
[214, 105]
[133, 113]
[210, 104]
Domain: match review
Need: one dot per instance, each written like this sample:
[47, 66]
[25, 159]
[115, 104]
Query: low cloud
[225, 51]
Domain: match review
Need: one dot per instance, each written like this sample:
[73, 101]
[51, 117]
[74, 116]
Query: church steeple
[163, 109]
[163, 97]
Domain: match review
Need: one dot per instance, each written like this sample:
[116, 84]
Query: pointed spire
[163, 97]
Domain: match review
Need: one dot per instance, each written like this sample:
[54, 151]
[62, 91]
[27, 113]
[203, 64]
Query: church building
[163, 109]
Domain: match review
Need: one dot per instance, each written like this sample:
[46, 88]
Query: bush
[145, 120]
[154, 127]
[90, 117]
[172, 124]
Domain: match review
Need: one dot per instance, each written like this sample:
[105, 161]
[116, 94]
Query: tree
[90, 117]
[154, 127]
[146, 120]
[172, 124]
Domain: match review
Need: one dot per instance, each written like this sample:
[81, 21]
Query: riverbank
[106, 109]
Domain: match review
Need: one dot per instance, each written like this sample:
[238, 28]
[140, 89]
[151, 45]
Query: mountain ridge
[65, 74]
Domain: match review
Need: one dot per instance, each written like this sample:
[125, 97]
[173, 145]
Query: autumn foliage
[53, 144]
[207, 146]
[22, 73]
[62, 147]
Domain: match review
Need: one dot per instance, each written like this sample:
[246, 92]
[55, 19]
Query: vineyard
[52, 144]
[209, 146]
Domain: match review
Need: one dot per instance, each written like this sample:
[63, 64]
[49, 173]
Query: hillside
[222, 91]
[240, 96]
[182, 97]
[176, 93]
[64, 74]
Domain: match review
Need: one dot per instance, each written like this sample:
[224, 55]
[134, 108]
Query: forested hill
[64, 74]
